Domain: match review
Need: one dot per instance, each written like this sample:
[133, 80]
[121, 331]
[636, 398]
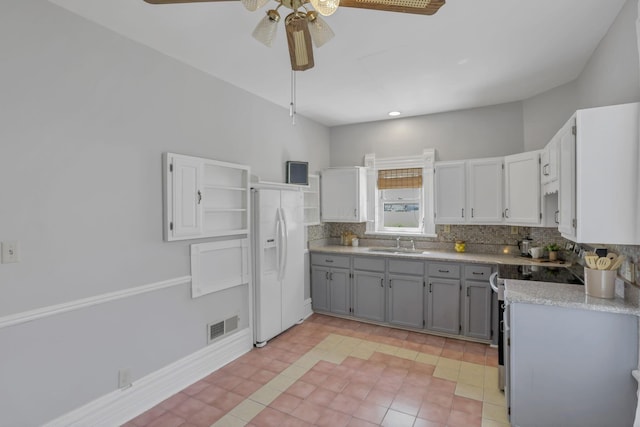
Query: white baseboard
[307, 311]
[120, 406]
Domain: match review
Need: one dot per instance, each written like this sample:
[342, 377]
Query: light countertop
[436, 255]
[564, 295]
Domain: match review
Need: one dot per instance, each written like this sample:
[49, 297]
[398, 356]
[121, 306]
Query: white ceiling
[471, 53]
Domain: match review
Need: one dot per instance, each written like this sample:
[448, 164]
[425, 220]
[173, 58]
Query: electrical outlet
[447, 228]
[10, 252]
[124, 378]
[514, 230]
[628, 271]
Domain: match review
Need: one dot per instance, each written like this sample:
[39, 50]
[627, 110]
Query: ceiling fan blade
[180, 1]
[421, 7]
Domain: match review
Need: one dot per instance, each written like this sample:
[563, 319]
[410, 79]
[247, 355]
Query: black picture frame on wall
[297, 172]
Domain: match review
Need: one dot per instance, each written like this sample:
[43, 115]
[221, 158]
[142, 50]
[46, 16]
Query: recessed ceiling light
[394, 113]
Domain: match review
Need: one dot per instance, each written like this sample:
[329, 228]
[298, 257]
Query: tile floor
[342, 373]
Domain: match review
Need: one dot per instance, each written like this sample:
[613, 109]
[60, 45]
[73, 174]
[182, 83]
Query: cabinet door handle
[557, 217]
[355, 213]
[462, 212]
[199, 196]
[331, 276]
[545, 169]
[390, 283]
[326, 275]
[429, 287]
[468, 292]
[382, 283]
[472, 213]
[506, 213]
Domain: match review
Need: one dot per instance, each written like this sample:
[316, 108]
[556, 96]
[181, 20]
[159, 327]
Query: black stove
[541, 274]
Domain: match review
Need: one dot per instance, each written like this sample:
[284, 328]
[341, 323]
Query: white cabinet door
[522, 188]
[343, 194]
[186, 175]
[484, 190]
[549, 162]
[450, 192]
[567, 181]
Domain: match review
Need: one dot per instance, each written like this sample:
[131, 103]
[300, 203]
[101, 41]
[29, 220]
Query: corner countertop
[565, 295]
[436, 255]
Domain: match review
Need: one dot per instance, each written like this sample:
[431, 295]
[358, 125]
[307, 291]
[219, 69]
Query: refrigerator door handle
[279, 243]
[285, 237]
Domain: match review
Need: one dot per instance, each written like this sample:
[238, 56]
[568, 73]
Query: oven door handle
[493, 281]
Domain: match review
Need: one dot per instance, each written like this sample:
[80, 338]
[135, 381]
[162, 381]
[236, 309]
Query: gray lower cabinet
[443, 305]
[369, 295]
[406, 306]
[570, 367]
[339, 295]
[330, 283]
[320, 288]
[477, 298]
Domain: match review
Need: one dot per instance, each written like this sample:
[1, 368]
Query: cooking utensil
[617, 263]
[603, 263]
[612, 256]
[591, 261]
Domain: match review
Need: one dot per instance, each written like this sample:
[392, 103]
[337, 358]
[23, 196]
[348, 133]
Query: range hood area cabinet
[343, 194]
[599, 195]
[469, 192]
[204, 198]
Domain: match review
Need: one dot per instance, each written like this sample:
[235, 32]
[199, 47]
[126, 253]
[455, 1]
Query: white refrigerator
[278, 250]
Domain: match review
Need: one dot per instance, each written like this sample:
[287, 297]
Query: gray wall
[466, 134]
[609, 77]
[86, 115]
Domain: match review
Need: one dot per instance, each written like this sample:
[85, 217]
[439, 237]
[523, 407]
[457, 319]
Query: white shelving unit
[205, 198]
[312, 201]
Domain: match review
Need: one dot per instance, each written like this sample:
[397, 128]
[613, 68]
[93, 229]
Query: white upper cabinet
[522, 189]
[607, 199]
[484, 191]
[549, 166]
[204, 198]
[469, 191]
[567, 181]
[450, 192]
[312, 201]
[343, 194]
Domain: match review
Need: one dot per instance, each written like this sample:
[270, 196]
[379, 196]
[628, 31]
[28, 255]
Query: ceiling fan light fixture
[325, 7]
[253, 5]
[265, 31]
[299, 40]
[320, 31]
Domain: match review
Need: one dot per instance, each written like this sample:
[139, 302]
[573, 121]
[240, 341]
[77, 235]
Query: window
[400, 195]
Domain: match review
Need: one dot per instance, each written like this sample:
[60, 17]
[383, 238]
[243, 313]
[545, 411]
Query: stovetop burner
[540, 274]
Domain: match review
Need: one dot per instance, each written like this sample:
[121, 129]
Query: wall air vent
[223, 327]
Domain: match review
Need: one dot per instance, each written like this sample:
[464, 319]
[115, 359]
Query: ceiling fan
[304, 26]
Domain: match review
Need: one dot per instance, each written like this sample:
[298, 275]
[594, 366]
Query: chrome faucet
[398, 242]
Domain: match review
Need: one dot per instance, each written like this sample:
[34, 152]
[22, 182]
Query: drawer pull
[328, 260]
[443, 271]
[477, 274]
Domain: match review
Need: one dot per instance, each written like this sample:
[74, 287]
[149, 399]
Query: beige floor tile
[495, 396]
[307, 361]
[446, 373]
[268, 393]
[471, 368]
[471, 379]
[247, 410]
[407, 354]
[369, 345]
[491, 423]
[335, 358]
[494, 412]
[429, 359]
[294, 371]
[444, 362]
[361, 353]
[469, 391]
[388, 349]
[229, 421]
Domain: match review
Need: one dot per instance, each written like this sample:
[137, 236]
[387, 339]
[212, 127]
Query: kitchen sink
[397, 250]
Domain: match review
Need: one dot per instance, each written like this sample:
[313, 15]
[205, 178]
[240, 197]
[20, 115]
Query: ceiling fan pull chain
[292, 104]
